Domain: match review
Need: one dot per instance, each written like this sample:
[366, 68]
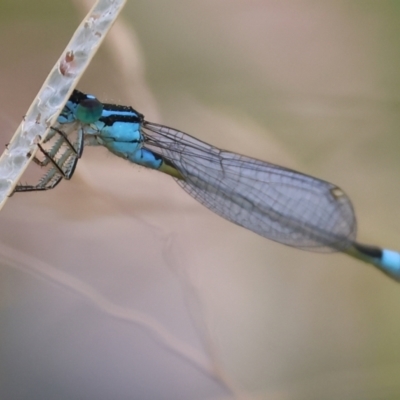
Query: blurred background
[119, 285]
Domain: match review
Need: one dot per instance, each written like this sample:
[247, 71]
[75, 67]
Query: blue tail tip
[390, 263]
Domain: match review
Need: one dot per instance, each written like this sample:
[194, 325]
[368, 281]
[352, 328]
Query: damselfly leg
[60, 154]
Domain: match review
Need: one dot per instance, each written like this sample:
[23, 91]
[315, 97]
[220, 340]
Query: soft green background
[310, 85]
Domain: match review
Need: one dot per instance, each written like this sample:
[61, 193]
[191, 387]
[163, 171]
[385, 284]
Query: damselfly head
[89, 110]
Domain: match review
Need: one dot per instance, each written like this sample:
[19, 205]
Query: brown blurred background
[310, 85]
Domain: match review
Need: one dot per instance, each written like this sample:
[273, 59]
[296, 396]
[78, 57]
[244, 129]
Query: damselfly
[278, 203]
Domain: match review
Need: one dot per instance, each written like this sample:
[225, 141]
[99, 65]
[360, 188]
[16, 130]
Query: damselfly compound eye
[89, 110]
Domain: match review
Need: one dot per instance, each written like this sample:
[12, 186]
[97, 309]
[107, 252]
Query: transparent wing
[278, 203]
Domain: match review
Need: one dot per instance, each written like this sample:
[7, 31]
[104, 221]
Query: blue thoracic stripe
[280, 204]
[111, 110]
[111, 119]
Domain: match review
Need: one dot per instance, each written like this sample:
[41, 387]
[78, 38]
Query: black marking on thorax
[120, 114]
